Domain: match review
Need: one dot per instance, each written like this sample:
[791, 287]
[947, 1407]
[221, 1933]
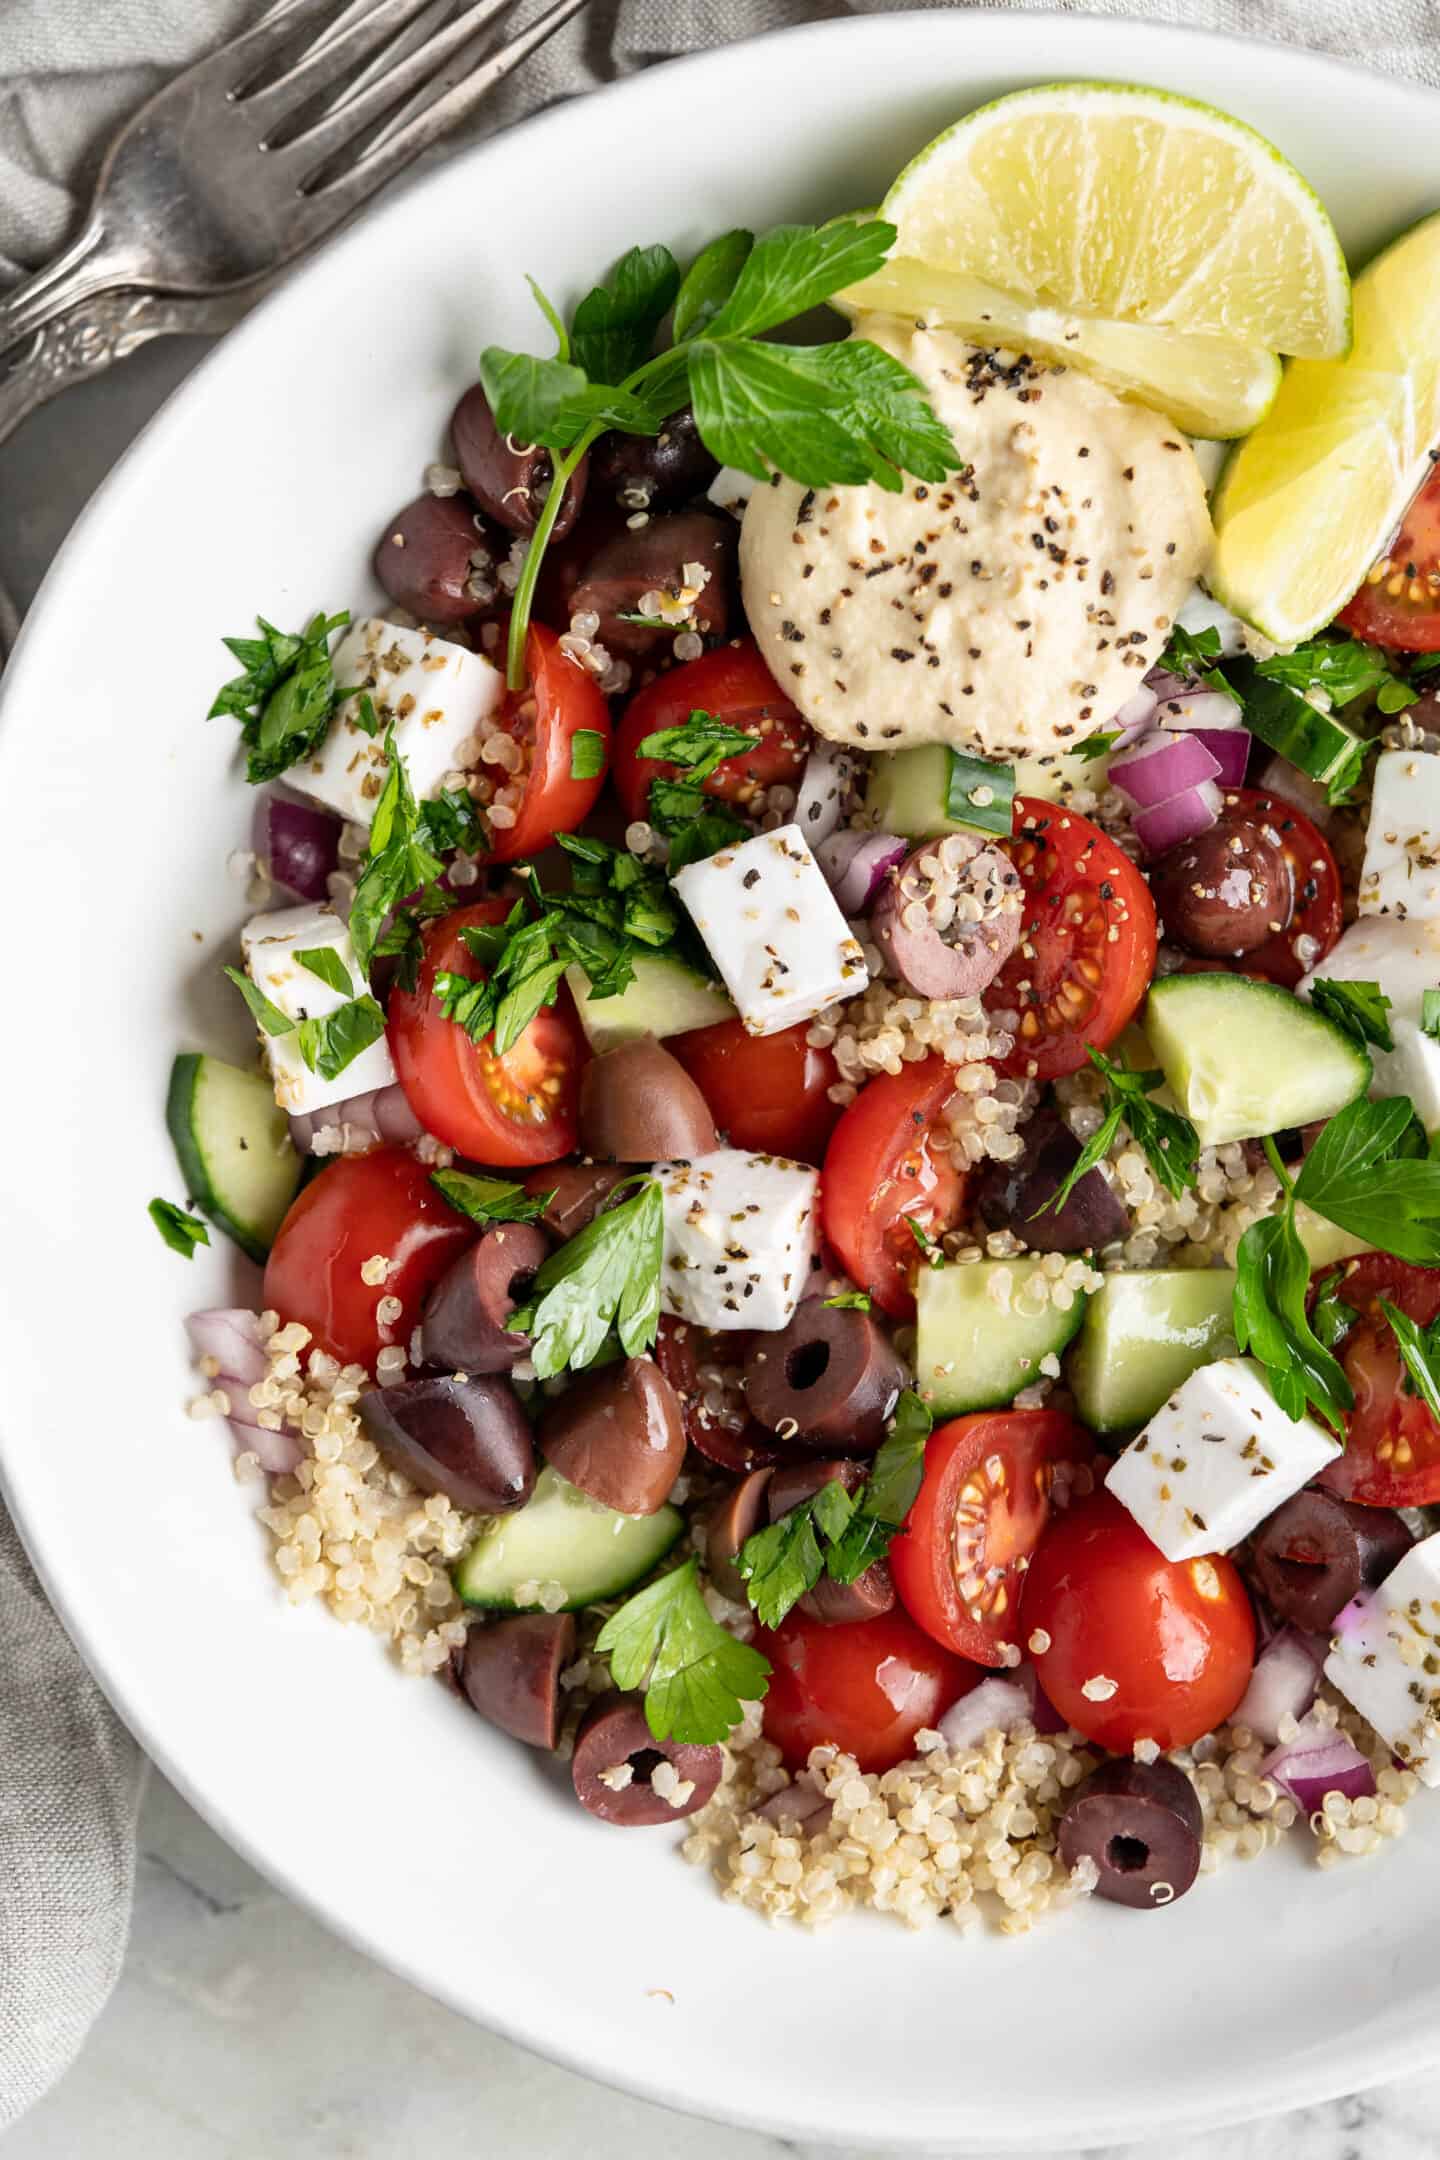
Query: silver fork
[225, 175]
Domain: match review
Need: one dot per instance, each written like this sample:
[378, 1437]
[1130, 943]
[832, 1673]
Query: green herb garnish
[1343, 668]
[181, 1232]
[850, 1301]
[1272, 1279]
[695, 1674]
[286, 695]
[607, 1276]
[1170, 1141]
[1358, 1009]
[1193, 655]
[262, 1012]
[329, 1044]
[587, 754]
[1430, 1015]
[1420, 1350]
[1368, 1173]
[323, 961]
[490, 1199]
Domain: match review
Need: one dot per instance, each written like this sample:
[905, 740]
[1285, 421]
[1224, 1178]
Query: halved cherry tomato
[1399, 602]
[544, 718]
[885, 1164]
[508, 1111]
[1163, 1647]
[985, 1499]
[1392, 1442]
[361, 1205]
[770, 1093]
[867, 1687]
[735, 685]
[1087, 948]
[1315, 875]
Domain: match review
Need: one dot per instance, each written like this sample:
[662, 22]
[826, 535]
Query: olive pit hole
[1127, 1855]
[806, 1364]
[644, 1765]
[519, 1286]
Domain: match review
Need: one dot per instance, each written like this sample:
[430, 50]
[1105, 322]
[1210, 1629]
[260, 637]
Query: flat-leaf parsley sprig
[606, 1277]
[1170, 1142]
[827, 415]
[696, 1676]
[285, 696]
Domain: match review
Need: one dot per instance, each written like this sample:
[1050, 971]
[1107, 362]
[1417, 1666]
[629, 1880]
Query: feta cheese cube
[1218, 1458]
[1412, 1068]
[1401, 872]
[1402, 956]
[435, 693]
[1385, 1659]
[740, 1238]
[270, 943]
[1200, 613]
[782, 946]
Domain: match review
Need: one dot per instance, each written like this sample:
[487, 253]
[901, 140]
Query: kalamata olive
[651, 558]
[434, 559]
[1227, 890]
[734, 1518]
[468, 1439]
[738, 1450]
[619, 1434]
[1009, 1194]
[1141, 1824]
[510, 1672]
[639, 1105]
[832, 1603]
[462, 1324]
[948, 917]
[580, 1190]
[795, 1483]
[828, 1380]
[654, 472]
[615, 1740]
[509, 479]
[1316, 1553]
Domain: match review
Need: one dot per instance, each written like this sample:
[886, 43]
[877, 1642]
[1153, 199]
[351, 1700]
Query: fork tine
[327, 63]
[455, 98]
[333, 130]
[245, 55]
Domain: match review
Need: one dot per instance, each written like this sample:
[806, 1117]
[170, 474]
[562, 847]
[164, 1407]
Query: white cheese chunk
[1385, 1655]
[1401, 872]
[1218, 1458]
[436, 695]
[270, 943]
[740, 1238]
[731, 489]
[1412, 1068]
[782, 946]
[1200, 613]
[1402, 956]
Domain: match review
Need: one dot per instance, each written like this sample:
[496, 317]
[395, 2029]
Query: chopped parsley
[262, 1012]
[329, 1044]
[695, 1674]
[606, 1277]
[490, 1199]
[1170, 1142]
[850, 1301]
[587, 754]
[325, 962]
[1420, 1352]
[1358, 1009]
[1430, 1015]
[181, 1232]
[284, 697]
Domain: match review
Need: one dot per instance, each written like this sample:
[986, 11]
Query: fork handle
[90, 265]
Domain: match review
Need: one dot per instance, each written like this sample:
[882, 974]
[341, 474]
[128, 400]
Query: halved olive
[828, 1380]
[639, 1105]
[510, 1672]
[1142, 1825]
[619, 1434]
[463, 1324]
[616, 1760]
[468, 1439]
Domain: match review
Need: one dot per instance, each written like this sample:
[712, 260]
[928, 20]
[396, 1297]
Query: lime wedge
[1309, 501]
[1207, 385]
[1134, 205]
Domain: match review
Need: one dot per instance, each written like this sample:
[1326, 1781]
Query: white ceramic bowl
[415, 1832]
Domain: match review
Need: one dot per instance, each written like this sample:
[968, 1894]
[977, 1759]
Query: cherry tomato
[1315, 875]
[735, 685]
[544, 718]
[985, 1499]
[508, 1111]
[361, 1205]
[867, 1687]
[770, 1093]
[1399, 603]
[885, 1168]
[1174, 1639]
[1392, 1442]
[1087, 949]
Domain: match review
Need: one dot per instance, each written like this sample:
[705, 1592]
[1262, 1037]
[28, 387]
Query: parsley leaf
[1357, 1008]
[587, 754]
[1194, 654]
[400, 859]
[700, 744]
[795, 267]
[1420, 1349]
[324, 962]
[824, 414]
[490, 1199]
[1430, 1015]
[929, 1247]
[850, 1301]
[694, 1673]
[709, 282]
[285, 696]
[608, 1275]
[1170, 1141]
[1096, 746]
[181, 1232]
[554, 403]
[1343, 667]
[262, 1012]
[404, 940]
[331, 1043]
[780, 1563]
[1362, 1174]
[1331, 1314]
[613, 329]
[1272, 1278]
[888, 1494]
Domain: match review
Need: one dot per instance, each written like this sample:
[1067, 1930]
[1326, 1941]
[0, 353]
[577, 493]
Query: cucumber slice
[666, 998]
[236, 1155]
[1325, 1242]
[1144, 1333]
[1246, 1058]
[906, 792]
[976, 1347]
[562, 1536]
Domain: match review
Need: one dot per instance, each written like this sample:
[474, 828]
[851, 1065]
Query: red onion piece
[1160, 767]
[231, 1336]
[1168, 823]
[300, 843]
[1166, 684]
[1199, 709]
[824, 785]
[797, 1803]
[1282, 1685]
[996, 1703]
[1134, 716]
[277, 1453]
[384, 1113]
[854, 864]
[1230, 748]
[1319, 1760]
[1279, 777]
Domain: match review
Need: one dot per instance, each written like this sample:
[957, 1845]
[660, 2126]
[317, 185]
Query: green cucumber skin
[961, 1403]
[956, 1394]
[185, 1077]
[668, 1522]
[1215, 1009]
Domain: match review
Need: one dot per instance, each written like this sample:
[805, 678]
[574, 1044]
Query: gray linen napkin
[69, 70]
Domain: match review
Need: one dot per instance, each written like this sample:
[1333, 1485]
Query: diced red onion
[1162, 766]
[1198, 709]
[384, 1113]
[1319, 1760]
[1282, 1684]
[1230, 748]
[277, 1453]
[797, 1803]
[1279, 777]
[1166, 684]
[1168, 823]
[997, 1703]
[300, 843]
[824, 785]
[231, 1336]
[854, 864]
[1134, 716]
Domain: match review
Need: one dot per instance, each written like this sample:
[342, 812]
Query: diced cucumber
[1325, 1242]
[1246, 1058]
[977, 1346]
[906, 793]
[236, 1155]
[562, 1536]
[1144, 1333]
[666, 998]
[1054, 776]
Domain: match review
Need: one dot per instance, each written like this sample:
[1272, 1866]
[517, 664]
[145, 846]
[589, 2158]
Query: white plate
[431, 1843]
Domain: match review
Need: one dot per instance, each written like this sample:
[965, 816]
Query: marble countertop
[240, 2029]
